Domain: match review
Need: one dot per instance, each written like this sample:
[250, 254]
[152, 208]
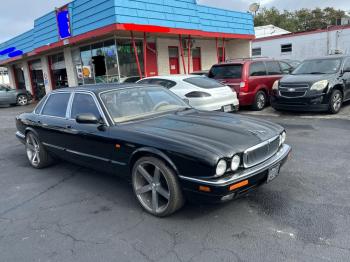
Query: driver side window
[347, 65]
[84, 104]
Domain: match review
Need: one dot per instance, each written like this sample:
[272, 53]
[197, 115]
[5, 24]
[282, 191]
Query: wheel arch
[149, 151]
[339, 87]
[30, 129]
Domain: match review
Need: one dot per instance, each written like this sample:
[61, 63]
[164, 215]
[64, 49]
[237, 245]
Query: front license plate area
[227, 108]
[273, 173]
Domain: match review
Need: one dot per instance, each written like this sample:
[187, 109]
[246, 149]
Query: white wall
[306, 45]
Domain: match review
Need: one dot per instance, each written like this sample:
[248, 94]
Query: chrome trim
[267, 142]
[85, 155]
[20, 135]
[245, 174]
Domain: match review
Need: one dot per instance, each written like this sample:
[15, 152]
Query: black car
[321, 84]
[168, 149]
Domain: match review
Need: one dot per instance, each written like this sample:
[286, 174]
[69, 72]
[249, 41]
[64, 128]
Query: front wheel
[22, 100]
[335, 101]
[260, 101]
[36, 153]
[156, 187]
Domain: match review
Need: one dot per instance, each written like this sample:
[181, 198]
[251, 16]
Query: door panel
[174, 60]
[196, 59]
[152, 68]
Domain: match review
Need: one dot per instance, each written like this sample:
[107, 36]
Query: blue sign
[7, 51]
[15, 53]
[63, 23]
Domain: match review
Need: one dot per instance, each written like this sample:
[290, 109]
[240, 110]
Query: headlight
[320, 85]
[283, 138]
[236, 161]
[221, 168]
[275, 85]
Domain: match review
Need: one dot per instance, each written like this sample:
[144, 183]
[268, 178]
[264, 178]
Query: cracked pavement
[69, 213]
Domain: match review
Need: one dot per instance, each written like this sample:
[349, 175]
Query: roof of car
[328, 57]
[172, 77]
[99, 88]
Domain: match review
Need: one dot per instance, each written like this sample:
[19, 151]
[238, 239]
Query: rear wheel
[335, 101]
[156, 187]
[36, 153]
[260, 101]
[22, 100]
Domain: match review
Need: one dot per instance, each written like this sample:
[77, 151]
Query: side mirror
[346, 70]
[87, 119]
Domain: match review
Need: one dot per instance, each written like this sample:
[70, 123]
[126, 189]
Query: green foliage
[300, 20]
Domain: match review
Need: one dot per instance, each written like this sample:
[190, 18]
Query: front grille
[261, 152]
[293, 90]
[292, 94]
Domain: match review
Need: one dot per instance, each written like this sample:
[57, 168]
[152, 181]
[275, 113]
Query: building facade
[104, 41]
[300, 46]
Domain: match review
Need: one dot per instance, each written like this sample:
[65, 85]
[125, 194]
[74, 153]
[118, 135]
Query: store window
[59, 71]
[127, 59]
[99, 63]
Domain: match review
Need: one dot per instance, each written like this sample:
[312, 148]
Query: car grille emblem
[291, 89]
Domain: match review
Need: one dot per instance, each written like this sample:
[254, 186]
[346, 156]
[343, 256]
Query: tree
[299, 20]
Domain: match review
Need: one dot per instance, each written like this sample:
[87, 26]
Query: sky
[17, 16]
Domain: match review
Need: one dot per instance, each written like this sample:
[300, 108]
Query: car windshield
[226, 71]
[318, 66]
[134, 103]
[203, 82]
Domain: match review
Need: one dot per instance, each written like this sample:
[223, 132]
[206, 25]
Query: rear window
[203, 82]
[56, 105]
[226, 71]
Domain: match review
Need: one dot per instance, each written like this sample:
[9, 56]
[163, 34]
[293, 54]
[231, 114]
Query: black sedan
[170, 151]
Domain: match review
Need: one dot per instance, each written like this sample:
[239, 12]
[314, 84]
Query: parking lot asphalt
[69, 213]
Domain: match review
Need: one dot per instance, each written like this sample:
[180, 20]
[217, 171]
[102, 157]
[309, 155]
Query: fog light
[228, 197]
[204, 188]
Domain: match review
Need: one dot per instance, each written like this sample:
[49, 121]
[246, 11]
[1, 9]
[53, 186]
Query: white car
[202, 92]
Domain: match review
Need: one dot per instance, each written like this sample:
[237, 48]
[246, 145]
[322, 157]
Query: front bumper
[313, 104]
[220, 188]
[215, 104]
[21, 137]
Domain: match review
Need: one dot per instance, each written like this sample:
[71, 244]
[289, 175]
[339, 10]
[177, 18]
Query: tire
[22, 100]
[36, 152]
[156, 187]
[335, 101]
[260, 101]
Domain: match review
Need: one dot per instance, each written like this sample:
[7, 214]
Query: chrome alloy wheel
[261, 101]
[337, 101]
[22, 100]
[33, 150]
[151, 187]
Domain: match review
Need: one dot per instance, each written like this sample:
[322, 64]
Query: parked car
[201, 73]
[9, 96]
[169, 150]
[321, 84]
[252, 79]
[201, 92]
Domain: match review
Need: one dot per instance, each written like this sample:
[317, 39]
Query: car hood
[309, 79]
[220, 133]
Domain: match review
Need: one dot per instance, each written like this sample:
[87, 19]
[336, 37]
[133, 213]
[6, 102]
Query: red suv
[252, 79]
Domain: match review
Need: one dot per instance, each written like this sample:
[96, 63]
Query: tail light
[197, 94]
[244, 86]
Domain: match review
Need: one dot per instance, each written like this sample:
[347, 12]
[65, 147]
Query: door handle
[68, 127]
